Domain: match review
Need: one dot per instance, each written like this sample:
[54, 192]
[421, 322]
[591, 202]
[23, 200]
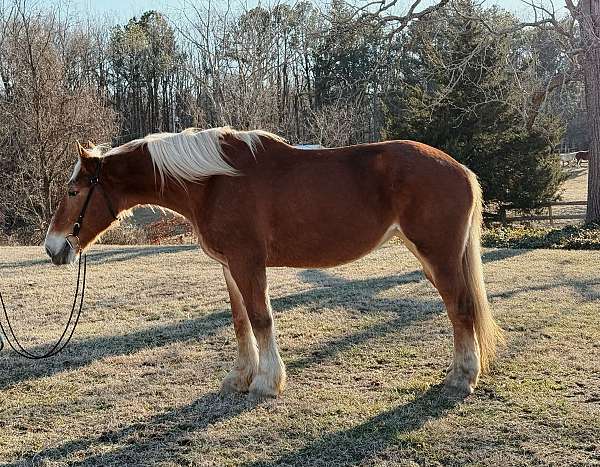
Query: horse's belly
[313, 251]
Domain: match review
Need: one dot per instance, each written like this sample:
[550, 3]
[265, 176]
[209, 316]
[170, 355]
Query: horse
[566, 158]
[582, 156]
[256, 202]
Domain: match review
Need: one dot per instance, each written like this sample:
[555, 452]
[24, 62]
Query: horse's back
[323, 207]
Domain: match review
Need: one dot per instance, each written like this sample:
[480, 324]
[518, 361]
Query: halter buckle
[68, 240]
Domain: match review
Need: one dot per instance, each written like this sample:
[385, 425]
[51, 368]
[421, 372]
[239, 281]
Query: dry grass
[365, 346]
[574, 189]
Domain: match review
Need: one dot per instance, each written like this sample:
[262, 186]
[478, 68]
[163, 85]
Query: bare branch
[397, 23]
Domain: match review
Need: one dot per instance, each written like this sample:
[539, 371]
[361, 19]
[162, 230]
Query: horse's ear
[91, 145]
[83, 153]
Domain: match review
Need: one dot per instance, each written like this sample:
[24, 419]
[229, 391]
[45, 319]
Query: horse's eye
[73, 193]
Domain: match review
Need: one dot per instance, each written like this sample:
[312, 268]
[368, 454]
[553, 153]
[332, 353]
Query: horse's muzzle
[60, 253]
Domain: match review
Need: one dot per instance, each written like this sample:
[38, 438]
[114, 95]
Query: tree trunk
[590, 29]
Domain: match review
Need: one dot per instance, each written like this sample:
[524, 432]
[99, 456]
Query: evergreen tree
[459, 98]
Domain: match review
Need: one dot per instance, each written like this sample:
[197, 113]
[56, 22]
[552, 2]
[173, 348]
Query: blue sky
[119, 11]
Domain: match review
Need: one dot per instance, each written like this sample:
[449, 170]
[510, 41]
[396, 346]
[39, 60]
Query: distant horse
[257, 202]
[582, 156]
[566, 158]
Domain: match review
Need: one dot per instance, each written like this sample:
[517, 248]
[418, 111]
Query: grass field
[365, 345]
[574, 189]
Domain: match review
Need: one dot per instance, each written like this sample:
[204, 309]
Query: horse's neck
[177, 199]
[143, 186]
[170, 196]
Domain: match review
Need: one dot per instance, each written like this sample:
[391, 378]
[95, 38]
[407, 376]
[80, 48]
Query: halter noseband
[94, 182]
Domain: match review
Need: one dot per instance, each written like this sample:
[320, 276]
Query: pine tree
[458, 99]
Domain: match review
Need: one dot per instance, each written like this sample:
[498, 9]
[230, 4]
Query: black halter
[94, 182]
[64, 339]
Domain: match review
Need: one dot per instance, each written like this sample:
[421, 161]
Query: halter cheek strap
[94, 182]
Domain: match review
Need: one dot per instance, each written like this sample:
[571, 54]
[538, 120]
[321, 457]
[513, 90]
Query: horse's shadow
[82, 352]
[326, 290]
[174, 430]
[136, 443]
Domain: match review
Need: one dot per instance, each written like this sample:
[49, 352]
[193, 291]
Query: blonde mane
[194, 154]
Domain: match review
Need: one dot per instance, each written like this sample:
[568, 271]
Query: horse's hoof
[458, 385]
[261, 389]
[459, 391]
[235, 381]
[254, 396]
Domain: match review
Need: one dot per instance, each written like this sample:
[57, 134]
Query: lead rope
[62, 342]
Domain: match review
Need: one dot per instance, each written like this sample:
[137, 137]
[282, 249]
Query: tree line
[334, 76]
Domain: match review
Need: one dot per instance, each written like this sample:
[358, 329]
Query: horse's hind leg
[246, 363]
[466, 366]
[251, 279]
[444, 271]
[455, 270]
[446, 274]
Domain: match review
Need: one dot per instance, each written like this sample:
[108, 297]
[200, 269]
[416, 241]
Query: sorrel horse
[256, 202]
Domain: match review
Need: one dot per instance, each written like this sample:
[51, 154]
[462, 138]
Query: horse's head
[87, 209]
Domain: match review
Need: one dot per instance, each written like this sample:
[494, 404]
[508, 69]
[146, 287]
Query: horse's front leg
[246, 363]
[251, 279]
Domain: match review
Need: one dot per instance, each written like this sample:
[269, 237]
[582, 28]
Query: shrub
[586, 237]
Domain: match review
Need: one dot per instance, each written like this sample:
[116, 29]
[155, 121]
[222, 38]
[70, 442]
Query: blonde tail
[488, 333]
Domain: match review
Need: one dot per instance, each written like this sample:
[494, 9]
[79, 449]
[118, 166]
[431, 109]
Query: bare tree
[253, 68]
[579, 34]
[332, 125]
[587, 14]
[44, 108]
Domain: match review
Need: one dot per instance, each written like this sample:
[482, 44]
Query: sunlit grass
[366, 346]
